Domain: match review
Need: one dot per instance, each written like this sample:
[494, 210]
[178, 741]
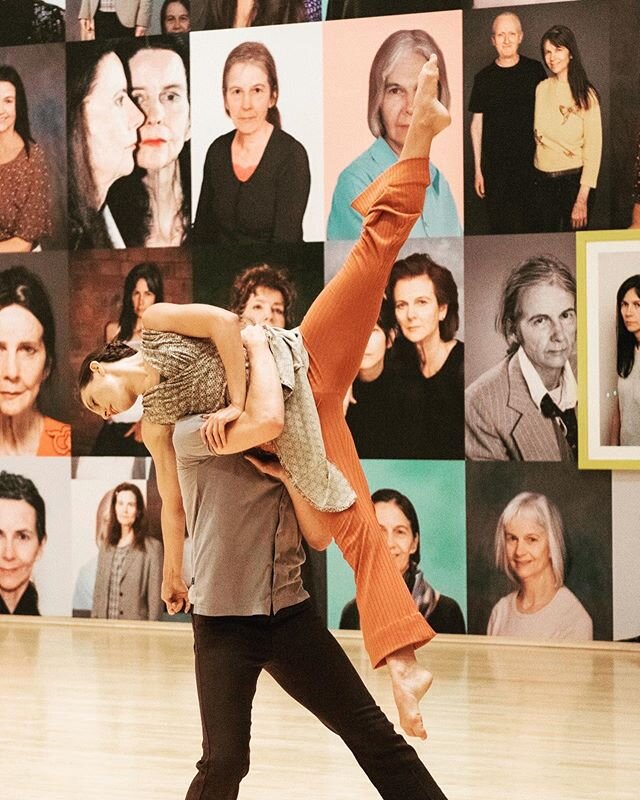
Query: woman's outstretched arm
[223, 328]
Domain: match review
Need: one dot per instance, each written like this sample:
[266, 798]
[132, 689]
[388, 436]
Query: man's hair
[531, 272]
[17, 487]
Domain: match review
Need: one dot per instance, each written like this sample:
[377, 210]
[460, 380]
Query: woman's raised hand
[213, 431]
[427, 108]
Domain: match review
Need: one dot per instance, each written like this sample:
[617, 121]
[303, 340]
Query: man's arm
[263, 417]
[476, 143]
[158, 440]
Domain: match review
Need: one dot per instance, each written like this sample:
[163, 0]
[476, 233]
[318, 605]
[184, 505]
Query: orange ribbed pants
[335, 332]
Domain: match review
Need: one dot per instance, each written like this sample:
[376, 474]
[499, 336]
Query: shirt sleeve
[292, 194]
[33, 220]
[592, 148]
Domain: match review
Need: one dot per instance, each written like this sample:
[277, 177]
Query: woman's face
[19, 545]
[111, 120]
[265, 307]
[557, 58]
[397, 101]
[7, 106]
[248, 96]
[176, 18]
[106, 394]
[416, 306]
[630, 312]
[375, 349]
[527, 546]
[397, 528]
[23, 360]
[159, 88]
[126, 508]
[142, 297]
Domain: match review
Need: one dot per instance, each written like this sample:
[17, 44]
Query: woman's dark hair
[140, 524]
[419, 264]
[163, 9]
[627, 342]
[152, 275]
[269, 277]
[128, 197]
[109, 354]
[221, 13]
[257, 53]
[87, 228]
[17, 487]
[531, 272]
[20, 287]
[582, 91]
[406, 506]
[9, 75]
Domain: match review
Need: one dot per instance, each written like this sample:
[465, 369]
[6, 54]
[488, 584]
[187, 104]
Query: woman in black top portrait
[427, 356]
[216, 14]
[399, 523]
[256, 179]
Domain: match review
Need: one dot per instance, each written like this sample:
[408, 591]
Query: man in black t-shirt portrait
[502, 104]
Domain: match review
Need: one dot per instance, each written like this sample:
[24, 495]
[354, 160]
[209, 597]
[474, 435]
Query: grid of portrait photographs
[211, 152]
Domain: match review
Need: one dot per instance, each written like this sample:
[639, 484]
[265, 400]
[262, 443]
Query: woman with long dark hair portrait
[129, 571]
[102, 124]
[121, 434]
[152, 205]
[568, 133]
[424, 297]
[625, 423]
[25, 218]
[27, 362]
[399, 522]
[256, 178]
[247, 13]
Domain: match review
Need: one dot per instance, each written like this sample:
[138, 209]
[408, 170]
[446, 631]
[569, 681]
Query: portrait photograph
[352, 9]
[420, 507]
[536, 151]
[521, 395]
[140, 13]
[408, 397]
[31, 21]
[35, 546]
[34, 336]
[609, 344]
[257, 161]
[366, 121]
[33, 175]
[110, 291]
[539, 551]
[217, 14]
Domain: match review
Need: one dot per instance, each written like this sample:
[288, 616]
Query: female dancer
[568, 133]
[392, 626]
[625, 422]
[256, 179]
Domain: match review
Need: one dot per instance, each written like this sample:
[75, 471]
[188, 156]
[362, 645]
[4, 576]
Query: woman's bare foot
[429, 115]
[410, 682]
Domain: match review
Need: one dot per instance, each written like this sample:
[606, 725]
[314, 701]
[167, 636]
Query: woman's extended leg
[335, 332]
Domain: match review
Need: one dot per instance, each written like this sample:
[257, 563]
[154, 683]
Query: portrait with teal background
[437, 490]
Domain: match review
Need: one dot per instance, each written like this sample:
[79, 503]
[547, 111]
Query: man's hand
[213, 431]
[136, 431]
[175, 594]
[253, 336]
[272, 468]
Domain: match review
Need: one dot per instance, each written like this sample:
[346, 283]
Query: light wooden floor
[93, 711]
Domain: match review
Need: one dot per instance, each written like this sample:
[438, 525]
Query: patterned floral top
[193, 381]
[24, 197]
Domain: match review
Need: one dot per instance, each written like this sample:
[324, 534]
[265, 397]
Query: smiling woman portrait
[530, 550]
[625, 422]
[27, 360]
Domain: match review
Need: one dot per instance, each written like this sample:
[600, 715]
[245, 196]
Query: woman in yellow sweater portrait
[568, 133]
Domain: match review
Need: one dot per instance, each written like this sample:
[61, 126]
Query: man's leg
[228, 661]
[312, 667]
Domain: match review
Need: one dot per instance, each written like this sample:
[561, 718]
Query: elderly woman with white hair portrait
[392, 86]
[530, 550]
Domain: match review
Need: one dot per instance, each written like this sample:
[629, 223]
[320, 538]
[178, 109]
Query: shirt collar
[565, 396]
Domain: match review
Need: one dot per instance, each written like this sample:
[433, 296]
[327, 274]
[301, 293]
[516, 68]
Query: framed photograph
[609, 349]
